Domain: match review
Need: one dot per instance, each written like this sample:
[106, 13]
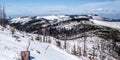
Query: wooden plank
[25, 55]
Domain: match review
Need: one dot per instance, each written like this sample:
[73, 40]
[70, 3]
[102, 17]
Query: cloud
[106, 7]
[103, 10]
[97, 4]
[100, 10]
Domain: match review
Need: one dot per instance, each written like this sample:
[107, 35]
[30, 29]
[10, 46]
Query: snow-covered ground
[106, 23]
[10, 47]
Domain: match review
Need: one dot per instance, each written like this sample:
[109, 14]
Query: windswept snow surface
[106, 23]
[10, 47]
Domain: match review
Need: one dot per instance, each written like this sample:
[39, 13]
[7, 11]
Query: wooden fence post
[25, 55]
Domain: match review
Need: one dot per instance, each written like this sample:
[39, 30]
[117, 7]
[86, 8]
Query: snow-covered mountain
[99, 33]
[112, 24]
[51, 18]
[56, 17]
[60, 23]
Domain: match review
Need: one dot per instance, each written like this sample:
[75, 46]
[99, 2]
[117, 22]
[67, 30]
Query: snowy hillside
[21, 20]
[106, 23]
[12, 46]
[90, 36]
[97, 18]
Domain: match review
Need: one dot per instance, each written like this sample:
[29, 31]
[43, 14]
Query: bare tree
[28, 45]
[3, 20]
[65, 43]
[78, 50]
[85, 37]
[44, 35]
[74, 50]
[93, 52]
[84, 51]
[119, 54]
[101, 50]
[49, 40]
[38, 38]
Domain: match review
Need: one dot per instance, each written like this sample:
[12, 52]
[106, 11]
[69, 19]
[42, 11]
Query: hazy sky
[45, 7]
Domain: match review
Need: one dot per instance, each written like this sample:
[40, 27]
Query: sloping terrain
[12, 44]
[69, 26]
[76, 34]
